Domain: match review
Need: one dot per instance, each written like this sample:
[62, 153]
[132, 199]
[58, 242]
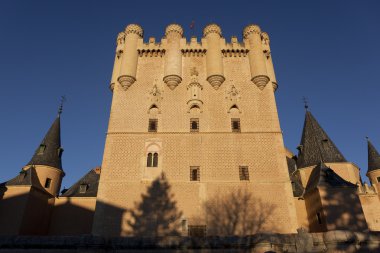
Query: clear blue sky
[328, 51]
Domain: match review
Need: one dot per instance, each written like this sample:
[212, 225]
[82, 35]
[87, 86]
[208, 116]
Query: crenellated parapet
[173, 47]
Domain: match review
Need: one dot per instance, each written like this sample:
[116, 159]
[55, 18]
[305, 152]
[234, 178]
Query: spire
[49, 151]
[316, 146]
[373, 157]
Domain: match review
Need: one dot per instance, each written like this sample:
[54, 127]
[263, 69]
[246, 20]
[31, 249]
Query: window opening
[194, 173]
[47, 182]
[244, 173]
[152, 125]
[194, 125]
[235, 125]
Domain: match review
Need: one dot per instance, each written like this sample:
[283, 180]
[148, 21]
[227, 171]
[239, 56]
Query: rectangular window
[152, 125]
[194, 125]
[244, 173]
[83, 188]
[235, 125]
[197, 231]
[194, 173]
[184, 225]
[47, 182]
[378, 179]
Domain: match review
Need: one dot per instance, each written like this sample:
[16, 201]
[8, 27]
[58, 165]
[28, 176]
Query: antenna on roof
[60, 109]
[306, 103]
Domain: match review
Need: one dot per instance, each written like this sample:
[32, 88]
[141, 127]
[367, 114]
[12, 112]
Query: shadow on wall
[238, 213]
[157, 214]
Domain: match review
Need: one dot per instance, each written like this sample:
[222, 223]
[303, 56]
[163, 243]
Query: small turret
[257, 61]
[214, 63]
[117, 62]
[128, 66]
[373, 172]
[173, 56]
[46, 160]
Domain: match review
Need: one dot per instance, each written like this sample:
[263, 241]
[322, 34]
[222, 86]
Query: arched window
[155, 160]
[152, 160]
[149, 161]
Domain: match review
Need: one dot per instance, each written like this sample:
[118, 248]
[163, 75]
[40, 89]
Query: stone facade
[202, 115]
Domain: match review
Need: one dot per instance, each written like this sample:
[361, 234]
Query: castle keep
[200, 114]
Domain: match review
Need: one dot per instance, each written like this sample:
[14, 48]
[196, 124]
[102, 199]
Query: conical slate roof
[373, 158]
[316, 145]
[49, 151]
[325, 176]
[90, 181]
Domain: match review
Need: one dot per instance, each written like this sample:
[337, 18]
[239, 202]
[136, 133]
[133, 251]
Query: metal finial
[367, 138]
[306, 105]
[60, 109]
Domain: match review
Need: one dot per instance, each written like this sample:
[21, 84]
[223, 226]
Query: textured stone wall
[216, 149]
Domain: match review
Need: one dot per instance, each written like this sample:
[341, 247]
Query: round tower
[269, 62]
[117, 62]
[46, 162]
[128, 66]
[257, 61]
[373, 172]
[214, 62]
[173, 56]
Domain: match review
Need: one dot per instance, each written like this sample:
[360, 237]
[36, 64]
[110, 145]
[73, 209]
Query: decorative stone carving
[155, 93]
[249, 29]
[265, 38]
[120, 44]
[260, 81]
[233, 97]
[126, 81]
[212, 28]
[216, 81]
[136, 29]
[172, 81]
[194, 90]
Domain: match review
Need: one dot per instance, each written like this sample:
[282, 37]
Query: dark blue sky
[327, 51]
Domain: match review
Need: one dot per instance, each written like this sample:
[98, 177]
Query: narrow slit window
[235, 125]
[194, 125]
[149, 160]
[194, 173]
[319, 218]
[378, 179]
[155, 160]
[244, 173]
[47, 183]
[152, 125]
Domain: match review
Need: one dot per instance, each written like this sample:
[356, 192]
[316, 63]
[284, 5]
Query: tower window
[47, 183]
[378, 179]
[83, 188]
[319, 218]
[152, 125]
[243, 173]
[194, 173]
[235, 125]
[41, 149]
[194, 125]
[184, 225]
[152, 160]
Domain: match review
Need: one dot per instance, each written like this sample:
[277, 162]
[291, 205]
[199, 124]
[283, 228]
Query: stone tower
[201, 113]
[373, 172]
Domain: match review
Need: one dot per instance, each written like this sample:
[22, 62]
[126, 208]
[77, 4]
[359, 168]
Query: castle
[201, 114]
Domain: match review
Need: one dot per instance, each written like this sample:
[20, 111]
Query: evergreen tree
[156, 214]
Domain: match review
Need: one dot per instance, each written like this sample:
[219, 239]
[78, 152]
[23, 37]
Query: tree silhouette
[156, 214]
[237, 213]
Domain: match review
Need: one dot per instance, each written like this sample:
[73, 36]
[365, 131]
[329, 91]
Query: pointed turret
[316, 145]
[373, 157]
[49, 151]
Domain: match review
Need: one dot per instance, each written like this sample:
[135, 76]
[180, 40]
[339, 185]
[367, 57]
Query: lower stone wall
[333, 241]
